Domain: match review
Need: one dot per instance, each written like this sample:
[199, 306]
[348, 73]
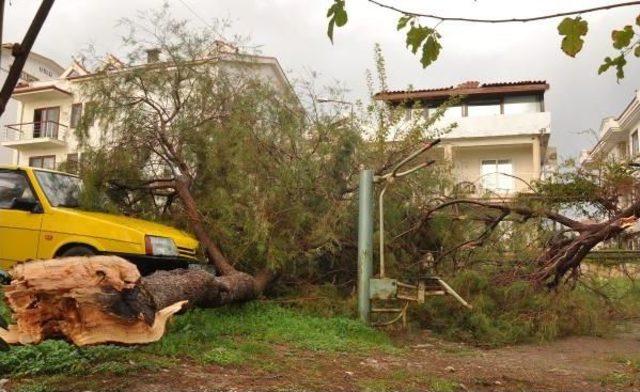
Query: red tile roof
[466, 88]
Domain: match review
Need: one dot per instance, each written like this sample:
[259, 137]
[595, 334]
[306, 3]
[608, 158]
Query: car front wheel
[78, 251]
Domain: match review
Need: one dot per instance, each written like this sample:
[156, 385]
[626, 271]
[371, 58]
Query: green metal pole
[365, 243]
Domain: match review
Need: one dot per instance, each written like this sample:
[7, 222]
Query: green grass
[230, 335]
[233, 334]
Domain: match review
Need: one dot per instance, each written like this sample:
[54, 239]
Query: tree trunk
[91, 300]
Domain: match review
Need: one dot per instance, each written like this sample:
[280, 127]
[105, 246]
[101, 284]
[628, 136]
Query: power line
[204, 21]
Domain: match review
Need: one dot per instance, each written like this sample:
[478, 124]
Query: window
[76, 114]
[522, 104]
[489, 107]
[634, 143]
[496, 175]
[13, 185]
[62, 190]
[45, 122]
[73, 163]
[43, 162]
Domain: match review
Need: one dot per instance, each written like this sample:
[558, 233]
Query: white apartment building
[618, 137]
[501, 141]
[36, 68]
[618, 143]
[48, 112]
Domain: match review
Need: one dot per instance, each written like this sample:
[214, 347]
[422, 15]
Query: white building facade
[48, 112]
[500, 143]
[618, 138]
[37, 68]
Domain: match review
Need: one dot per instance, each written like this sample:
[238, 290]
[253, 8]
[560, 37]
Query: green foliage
[421, 36]
[623, 41]
[617, 62]
[517, 313]
[622, 38]
[268, 177]
[337, 17]
[402, 22]
[573, 29]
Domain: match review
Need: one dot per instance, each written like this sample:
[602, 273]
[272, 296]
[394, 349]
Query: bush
[518, 313]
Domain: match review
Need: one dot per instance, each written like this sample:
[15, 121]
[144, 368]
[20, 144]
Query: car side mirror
[24, 204]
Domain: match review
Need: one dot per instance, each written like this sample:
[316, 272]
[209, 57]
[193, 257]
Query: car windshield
[62, 190]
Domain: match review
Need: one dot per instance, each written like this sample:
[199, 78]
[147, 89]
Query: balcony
[500, 125]
[489, 126]
[33, 135]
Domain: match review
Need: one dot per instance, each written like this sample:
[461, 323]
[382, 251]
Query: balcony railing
[33, 131]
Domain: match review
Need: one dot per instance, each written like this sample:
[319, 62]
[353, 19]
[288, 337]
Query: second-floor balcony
[487, 126]
[42, 134]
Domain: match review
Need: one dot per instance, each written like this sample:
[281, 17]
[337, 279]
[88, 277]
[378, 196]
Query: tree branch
[508, 20]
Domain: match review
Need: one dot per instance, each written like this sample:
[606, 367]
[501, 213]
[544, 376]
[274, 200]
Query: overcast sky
[294, 31]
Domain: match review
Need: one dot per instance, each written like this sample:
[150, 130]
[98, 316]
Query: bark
[100, 299]
[239, 286]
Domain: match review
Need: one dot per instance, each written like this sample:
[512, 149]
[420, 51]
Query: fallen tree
[91, 300]
[563, 253]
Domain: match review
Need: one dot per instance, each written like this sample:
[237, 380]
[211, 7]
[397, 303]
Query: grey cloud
[294, 31]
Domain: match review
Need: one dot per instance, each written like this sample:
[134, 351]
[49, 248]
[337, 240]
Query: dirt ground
[426, 364]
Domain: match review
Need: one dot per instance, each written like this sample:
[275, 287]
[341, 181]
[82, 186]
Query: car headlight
[160, 246]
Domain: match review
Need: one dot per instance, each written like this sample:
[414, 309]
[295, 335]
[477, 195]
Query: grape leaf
[622, 38]
[402, 22]
[430, 50]
[617, 62]
[416, 35]
[573, 29]
[337, 17]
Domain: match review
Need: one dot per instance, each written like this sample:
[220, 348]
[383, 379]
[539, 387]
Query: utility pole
[365, 243]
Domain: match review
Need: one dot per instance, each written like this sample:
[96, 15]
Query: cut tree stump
[100, 299]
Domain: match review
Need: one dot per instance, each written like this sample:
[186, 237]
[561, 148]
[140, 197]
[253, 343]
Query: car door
[19, 227]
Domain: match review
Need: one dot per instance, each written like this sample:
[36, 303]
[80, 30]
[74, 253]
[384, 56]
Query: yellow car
[40, 219]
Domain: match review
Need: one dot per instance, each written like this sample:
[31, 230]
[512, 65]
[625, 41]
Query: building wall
[634, 126]
[467, 162]
[267, 71]
[37, 67]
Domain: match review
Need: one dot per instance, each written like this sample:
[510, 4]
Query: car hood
[143, 227]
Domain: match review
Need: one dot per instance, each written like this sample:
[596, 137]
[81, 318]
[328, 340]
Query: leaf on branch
[622, 38]
[337, 17]
[617, 62]
[573, 29]
[416, 35]
[637, 51]
[638, 20]
[430, 50]
[402, 22]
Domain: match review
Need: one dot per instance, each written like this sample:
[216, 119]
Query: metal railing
[32, 131]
